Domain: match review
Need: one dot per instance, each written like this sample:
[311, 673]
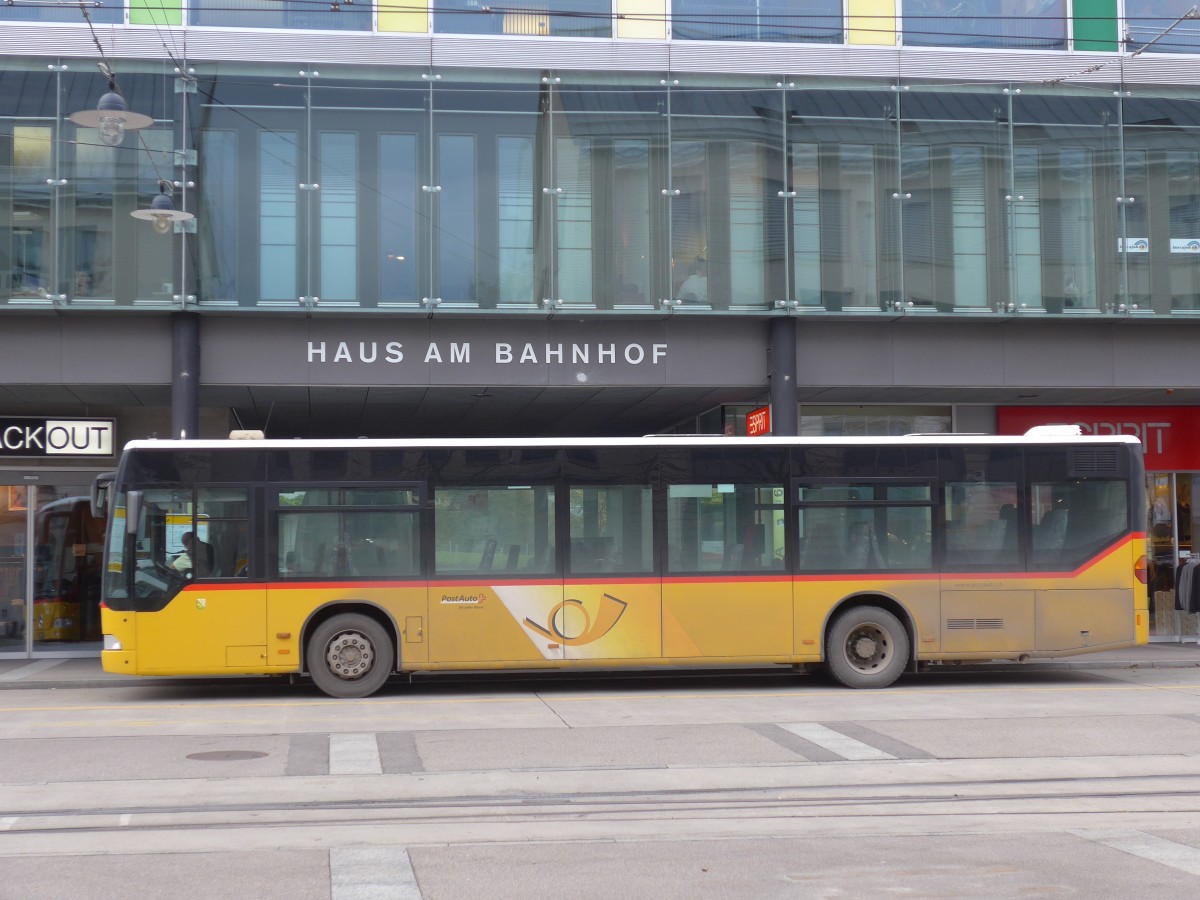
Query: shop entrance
[51, 563]
[1174, 501]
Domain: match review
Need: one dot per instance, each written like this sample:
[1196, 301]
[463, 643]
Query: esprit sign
[1170, 435]
[34, 437]
[758, 421]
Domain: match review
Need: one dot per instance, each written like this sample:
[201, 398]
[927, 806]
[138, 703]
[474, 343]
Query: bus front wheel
[866, 647]
[350, 655]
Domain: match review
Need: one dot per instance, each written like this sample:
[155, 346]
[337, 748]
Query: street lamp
[162, 211]
[111, 116]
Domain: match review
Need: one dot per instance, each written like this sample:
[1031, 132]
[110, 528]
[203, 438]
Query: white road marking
[32, 669]
[126, 818]
[365, 873]
[835, 741]
[8, 822]
[354, 754]
[1147, 846]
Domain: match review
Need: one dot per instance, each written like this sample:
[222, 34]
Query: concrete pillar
[185, 375]
[781, 369]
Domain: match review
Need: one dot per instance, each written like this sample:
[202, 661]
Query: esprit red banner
[1170, 435]
[758, 421]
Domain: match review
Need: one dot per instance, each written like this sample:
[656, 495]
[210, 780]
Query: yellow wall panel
[872, 22]
[413, 18]
[642, 19]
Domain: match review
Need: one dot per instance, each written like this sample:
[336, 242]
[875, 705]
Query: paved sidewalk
[86, 673]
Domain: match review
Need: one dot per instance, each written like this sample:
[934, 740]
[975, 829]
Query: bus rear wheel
[350, 656]
[866, 647]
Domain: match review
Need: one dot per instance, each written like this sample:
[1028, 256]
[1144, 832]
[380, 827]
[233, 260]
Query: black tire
[350, 655]
[866, 647]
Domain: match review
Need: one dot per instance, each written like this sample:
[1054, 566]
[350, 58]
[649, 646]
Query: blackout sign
[56, 437]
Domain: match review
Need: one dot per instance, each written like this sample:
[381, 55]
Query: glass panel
[1068, 163]
[115, 583]
[757, 20]
[725, 527]
[457, 242]
[630, 217]
[281, 14]
[1068, 235]
[217, 221]
[845, 526]
[560, 18]
[108, 13]
[747, 215]
[163, 564]
[1183, 189]
[1146, 20]
[981, 524]
[494, 529]
[726, 161]
[611, 530]
[1025, 211]
[983, 508]
[806, 225]
[863, 537]
[358, 543]
[1019, 24]
[862, 421]
[68, 566]
[968, 229]
[29, 253]
[339, 217]
[14, 509]
[278, 215]
[1133, 234]
[516, 190]
[862, 493]
[223, 516]
[349, 497]
[573, 175]
[1073, 520]
[916, 224]
[398, 240]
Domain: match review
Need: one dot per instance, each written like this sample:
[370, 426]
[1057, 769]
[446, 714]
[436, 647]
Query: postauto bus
[348, 561]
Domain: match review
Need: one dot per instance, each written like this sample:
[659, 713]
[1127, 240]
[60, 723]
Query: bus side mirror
[100, 489]
[133, 511]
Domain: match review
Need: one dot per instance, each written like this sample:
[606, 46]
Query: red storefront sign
[1170, 435]
[758, 421]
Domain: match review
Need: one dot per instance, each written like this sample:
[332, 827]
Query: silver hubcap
[350, 655]
[867, 647]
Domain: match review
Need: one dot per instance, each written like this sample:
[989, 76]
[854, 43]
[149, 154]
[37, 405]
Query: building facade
[588, 217]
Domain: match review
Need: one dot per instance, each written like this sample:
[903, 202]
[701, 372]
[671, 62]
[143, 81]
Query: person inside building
[197, 557]
[694, 289]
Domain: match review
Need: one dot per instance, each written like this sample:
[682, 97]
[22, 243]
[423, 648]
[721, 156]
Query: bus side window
[223, 523]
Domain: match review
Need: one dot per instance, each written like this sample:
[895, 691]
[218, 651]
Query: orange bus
[349, 561]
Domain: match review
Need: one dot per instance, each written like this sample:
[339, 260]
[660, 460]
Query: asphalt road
[1063, 783]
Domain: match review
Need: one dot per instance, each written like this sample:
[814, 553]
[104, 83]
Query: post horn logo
[571, 624]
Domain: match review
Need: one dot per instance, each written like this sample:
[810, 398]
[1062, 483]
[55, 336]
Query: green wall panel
[155, 12]
[1096, 25]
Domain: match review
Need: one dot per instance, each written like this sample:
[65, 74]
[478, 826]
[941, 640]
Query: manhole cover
[227, 755]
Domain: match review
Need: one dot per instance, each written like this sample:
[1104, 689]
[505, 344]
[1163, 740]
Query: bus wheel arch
[350, 649]
[868, 641]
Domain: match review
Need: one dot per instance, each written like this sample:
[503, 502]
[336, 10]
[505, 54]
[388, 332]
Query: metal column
[781, 369]
[185, 375]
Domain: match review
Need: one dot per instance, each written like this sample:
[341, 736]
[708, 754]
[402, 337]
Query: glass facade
[997, 24]
[1014, 24]
[603, 192]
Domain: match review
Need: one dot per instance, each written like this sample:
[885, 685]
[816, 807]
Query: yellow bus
[349, 561]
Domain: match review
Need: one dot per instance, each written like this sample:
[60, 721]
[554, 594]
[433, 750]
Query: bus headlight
[111, 642]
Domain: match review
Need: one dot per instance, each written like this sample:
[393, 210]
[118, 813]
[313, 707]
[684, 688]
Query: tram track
[612, 814]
